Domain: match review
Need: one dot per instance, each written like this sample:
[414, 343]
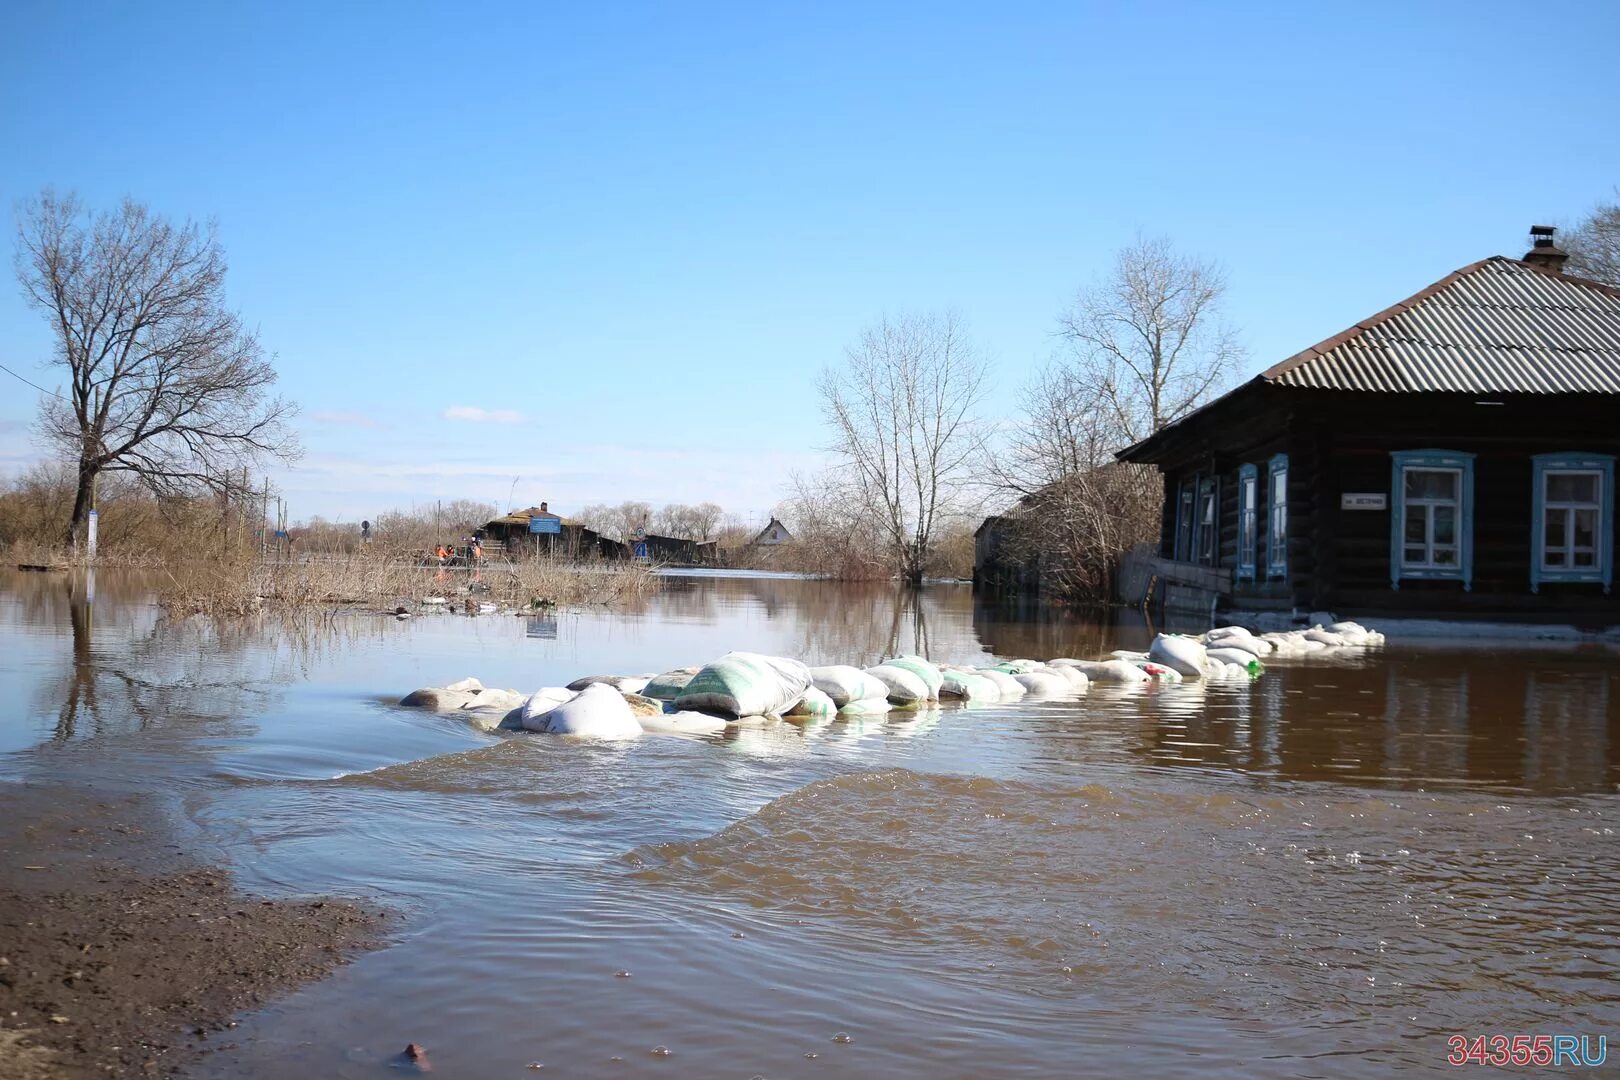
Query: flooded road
[1325, 873]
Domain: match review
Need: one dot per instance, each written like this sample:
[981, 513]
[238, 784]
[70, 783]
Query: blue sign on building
[545, 525]
[641, 549]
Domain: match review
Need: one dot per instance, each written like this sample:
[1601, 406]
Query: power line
[30, 382]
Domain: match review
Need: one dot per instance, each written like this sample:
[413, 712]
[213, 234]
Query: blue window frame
[1248, 520]
[1431, 532]
[1277, 517]
[1183, 549]
[1572, 532]
[1209, 522]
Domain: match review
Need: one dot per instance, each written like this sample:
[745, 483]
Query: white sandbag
[596, 712]
[969, 686]
[1346, 624]
[905, 688]
[1182, 654]
[1127, 655]
[683, 723]
[491, 700]
[1017, 667]
[668, 686]
[1111, 671]
[1009, 688]
[1220, 632]
[629, 684]
[1239, 657]
[468, 685]
[1045, 684]
[1064, 661]
[437, 698]
[925, 670]
[814, 703]
[1326, 637]
[541, 702]
[1160, 672]
[745, 684]
[1074, 675]
[845, 684]
[866, 707]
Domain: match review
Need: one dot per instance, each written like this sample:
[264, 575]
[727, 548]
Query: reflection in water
[1343, 860]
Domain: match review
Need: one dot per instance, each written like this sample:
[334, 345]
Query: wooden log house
[1450, 456]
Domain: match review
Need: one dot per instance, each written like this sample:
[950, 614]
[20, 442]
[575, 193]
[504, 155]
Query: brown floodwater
[1325, 872]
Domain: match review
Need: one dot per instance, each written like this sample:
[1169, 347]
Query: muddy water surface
[1323, 873]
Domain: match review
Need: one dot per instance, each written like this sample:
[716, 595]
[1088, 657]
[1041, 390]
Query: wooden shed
[1452, 455]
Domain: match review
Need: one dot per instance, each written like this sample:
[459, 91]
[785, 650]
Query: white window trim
[1277, 557]
[1248, 520]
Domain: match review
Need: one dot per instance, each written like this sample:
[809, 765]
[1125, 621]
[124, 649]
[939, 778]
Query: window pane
[1445, 556]
[1555, 557]
[1585, 558]
[1431, 484]
[1555, 528]
[1572, 487]
[1585, 527]
[1445, 524]
[1415, 556]
[1417, 530]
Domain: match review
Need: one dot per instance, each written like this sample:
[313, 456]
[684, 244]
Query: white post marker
[90, 535]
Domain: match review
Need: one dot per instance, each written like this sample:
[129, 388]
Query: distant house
[1453, 454]
[516, 534]
[773, 535]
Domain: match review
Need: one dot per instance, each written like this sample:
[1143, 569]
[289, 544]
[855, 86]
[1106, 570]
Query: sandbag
[1009, 688]
[596, 712]
[866, 707]
[683, 723]
[1326, 637]
[541, 702]
[844, 684]
[745, 684]
[928, 672]
[1181, 654]
[668, 686]
[968, 686]
[437, 698]
[468, 685]
[1160, 672]
[1111, 671]
[1246, 661]
[629, 684]
[813, 703]
[492, 700]
[642, 705]
[1045, 684]
[1076, 677]
[906, 688]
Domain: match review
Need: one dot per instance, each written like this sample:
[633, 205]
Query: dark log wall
[1354, 438]
[1341, 442]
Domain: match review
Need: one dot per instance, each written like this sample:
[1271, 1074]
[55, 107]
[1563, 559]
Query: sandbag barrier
[741, 687]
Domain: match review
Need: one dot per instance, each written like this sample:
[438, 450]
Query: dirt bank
[120, 957]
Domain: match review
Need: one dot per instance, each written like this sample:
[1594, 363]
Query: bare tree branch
[164, 381]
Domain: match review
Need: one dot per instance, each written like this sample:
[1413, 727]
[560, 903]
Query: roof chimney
[543, 509]
[1543, 252]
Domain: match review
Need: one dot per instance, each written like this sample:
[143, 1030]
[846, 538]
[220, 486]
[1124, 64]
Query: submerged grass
[247, 583]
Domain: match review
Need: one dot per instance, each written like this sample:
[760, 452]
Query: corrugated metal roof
[1497, 326]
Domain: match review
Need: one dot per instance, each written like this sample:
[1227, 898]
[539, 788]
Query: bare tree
[1149, 341]
[903, 412]
[164, 380]
[1594, 244]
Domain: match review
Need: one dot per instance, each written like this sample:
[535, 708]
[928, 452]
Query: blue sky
[625, 238]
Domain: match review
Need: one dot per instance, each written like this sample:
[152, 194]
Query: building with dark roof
[1451, 455]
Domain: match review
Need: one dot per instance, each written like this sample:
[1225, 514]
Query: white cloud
[474, 414]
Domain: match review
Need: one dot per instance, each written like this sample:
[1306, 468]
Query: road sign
[641, 549]
[545, 525]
